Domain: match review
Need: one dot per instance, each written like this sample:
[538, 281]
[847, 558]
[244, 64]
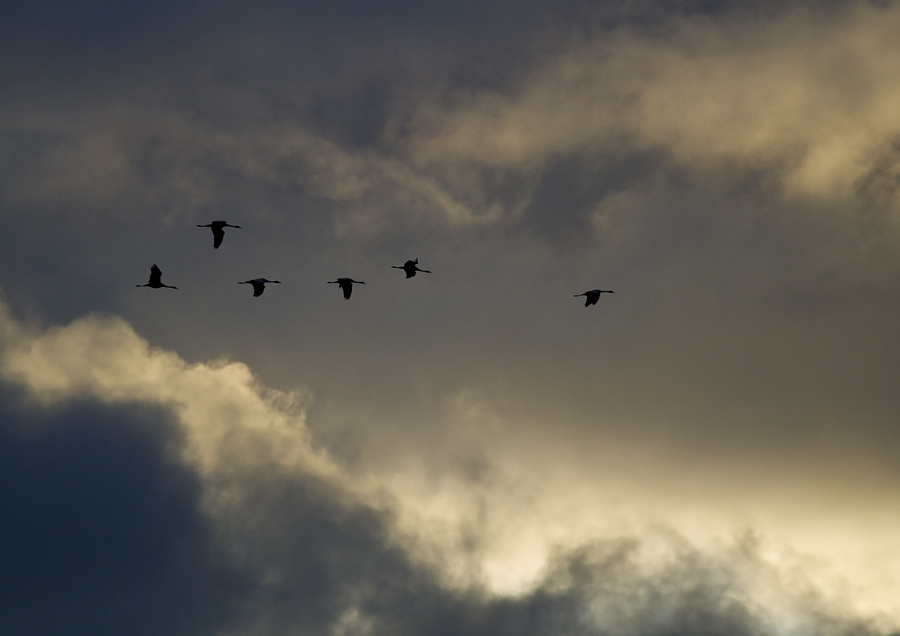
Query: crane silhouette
[259, 285]
[411, 267]
[346, 285]
[592, 296]
[156, 279]
[218, 230]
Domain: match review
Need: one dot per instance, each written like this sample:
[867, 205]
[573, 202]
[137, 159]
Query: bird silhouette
[218, 230]
[346, 285]
[411, 267]
[259, 285]
[156, 279]
[592, 296]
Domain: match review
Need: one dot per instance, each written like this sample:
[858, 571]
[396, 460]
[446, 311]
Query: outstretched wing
[347, 288]
[155, 276]
[218, 235]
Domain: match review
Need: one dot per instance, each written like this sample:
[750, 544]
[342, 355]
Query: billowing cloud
[139, 468]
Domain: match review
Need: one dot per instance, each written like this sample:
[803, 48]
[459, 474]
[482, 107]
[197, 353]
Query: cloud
[729, 170]
[726, 101]
[101, 519]
[139, 469]
[104, 359]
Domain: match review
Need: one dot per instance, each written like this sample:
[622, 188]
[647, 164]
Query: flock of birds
[346, 284]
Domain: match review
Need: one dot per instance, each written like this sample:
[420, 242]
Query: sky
[711, 450]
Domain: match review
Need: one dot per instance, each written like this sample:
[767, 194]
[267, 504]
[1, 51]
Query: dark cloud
[102, 528]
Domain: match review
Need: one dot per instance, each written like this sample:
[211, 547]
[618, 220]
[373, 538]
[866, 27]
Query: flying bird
[259, 285]
[411, 267]
[592, 296]
[346, 285]
[218, 230]
[156, 279]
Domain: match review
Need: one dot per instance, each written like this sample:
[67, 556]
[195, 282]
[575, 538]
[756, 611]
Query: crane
[411, 267]
[592, 296]
[259, 285]
[156, 279]
[346, 285]
[218, 230]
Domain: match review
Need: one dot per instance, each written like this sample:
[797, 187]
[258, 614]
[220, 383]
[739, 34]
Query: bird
[218, 230]
[592, 296]
[411, 267]
[346, 285]
[259, 285]
[156, 279]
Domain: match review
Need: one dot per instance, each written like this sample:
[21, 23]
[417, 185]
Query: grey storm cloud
[101, 527]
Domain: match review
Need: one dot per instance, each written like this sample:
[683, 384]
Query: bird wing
[347, 288]
[155, 275]
[258, 288]
[218, 235]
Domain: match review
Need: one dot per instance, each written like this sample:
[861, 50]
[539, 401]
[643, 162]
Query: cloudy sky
[712, 450]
